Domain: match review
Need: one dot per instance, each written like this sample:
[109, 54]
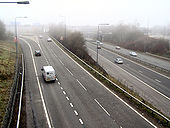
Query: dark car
[37, 53]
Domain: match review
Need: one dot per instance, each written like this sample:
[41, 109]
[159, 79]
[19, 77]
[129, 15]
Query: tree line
[3, 34]
[135, 38]
[75, 42]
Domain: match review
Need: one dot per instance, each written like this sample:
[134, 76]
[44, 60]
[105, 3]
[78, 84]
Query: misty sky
[90, 12]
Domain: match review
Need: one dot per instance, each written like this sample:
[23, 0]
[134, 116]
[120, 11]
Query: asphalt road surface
[143, 57]
[76, 99]
[152, 86]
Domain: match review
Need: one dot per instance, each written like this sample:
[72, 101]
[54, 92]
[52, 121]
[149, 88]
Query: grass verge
[7, 69]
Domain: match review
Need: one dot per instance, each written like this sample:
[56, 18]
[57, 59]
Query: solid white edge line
[41, 95]
[81, 85]
[20, 100]
[135, 77]
[102, 107]
[107, 88]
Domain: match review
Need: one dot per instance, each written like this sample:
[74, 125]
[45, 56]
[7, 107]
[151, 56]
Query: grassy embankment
[7, 69]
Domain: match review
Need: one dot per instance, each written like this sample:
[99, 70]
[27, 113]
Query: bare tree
[2, 31]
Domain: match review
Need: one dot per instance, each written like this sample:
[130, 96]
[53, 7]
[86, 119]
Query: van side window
[47, 73]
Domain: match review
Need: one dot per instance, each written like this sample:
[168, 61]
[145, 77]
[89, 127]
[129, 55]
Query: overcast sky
[90, 12]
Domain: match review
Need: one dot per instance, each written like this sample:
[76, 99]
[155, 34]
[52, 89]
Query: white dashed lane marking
[67, 98]
[64, 92]
[102, 107]
[140, 71]
[61, 62]
[71, 105]
[81, 121]
[81, 85]
[158, 80]
[69, 71]
[76, 112]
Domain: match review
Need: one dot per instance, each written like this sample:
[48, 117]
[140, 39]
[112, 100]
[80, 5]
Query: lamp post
[16, 2]
[16, 36]
[65, 27]
[98, 39]
[19, 2]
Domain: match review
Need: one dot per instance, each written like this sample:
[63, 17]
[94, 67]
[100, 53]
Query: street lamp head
[23, 2]
[103, 24]
[21, 17]
[19, 2]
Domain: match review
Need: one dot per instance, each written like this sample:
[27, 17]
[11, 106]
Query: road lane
[90, 113]
[141, 56]
[58, 118]
[36, 115]
[144, 90]
[94, 91]
[147, 76]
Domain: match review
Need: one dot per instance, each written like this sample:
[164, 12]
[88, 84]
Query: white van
[48, 73]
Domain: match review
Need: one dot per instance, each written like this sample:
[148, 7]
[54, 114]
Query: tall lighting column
[16, 36]
[98, 39]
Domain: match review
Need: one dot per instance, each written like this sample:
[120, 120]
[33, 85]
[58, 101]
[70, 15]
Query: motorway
[143, 57]
[76, 99]
[152, 86]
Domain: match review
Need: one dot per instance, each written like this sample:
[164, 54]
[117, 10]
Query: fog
[89, 12]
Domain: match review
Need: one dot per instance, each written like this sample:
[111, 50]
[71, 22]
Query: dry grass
[7, 68]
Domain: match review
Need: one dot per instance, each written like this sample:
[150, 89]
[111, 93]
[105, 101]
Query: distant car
[40, 36]
[117, 47]
[119, 60]
[98, 47]
[49, 40]
[100, 43]
[37, 53]
[133, 53]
